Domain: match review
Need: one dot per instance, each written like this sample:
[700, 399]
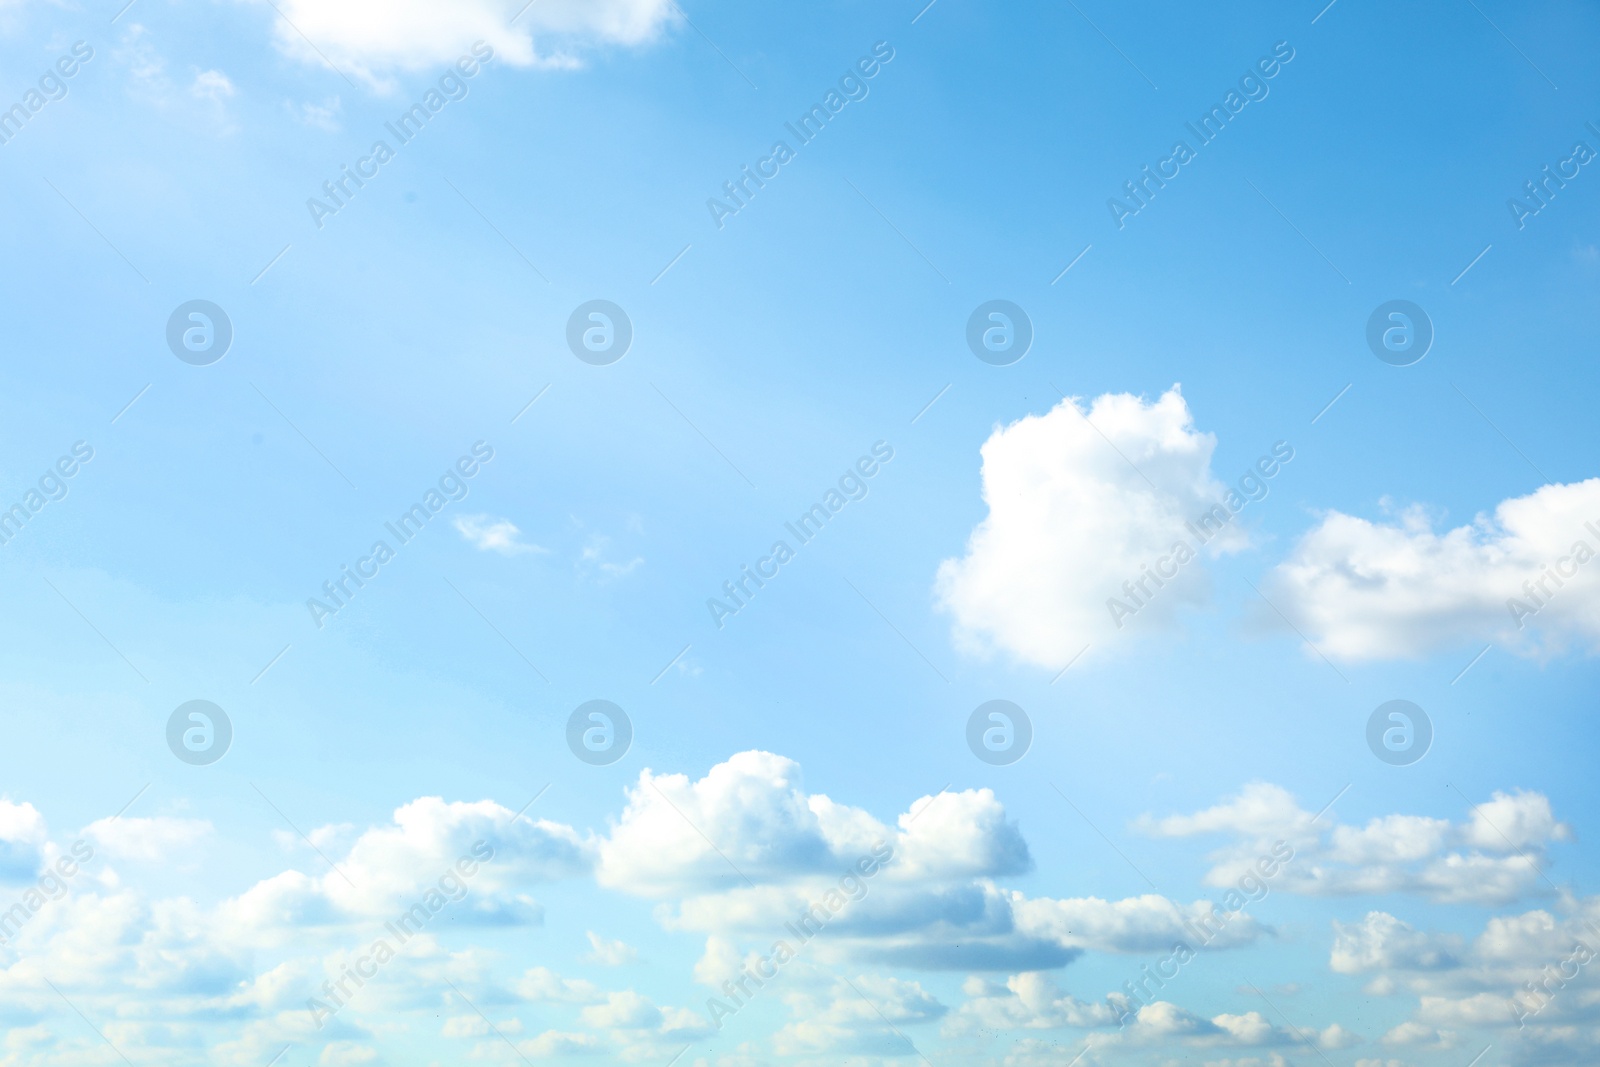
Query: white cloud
[863, 1016]
[593, 556]
[370, 38]
[1150, 923]
[609, 953]
[1070, 520]
[1029, 1001]
[1335, 1037]
[418, 858]
[542, 984]
[932, 903]
[1491, 858]
[202, 103]
[553, 1043]
[1369, 591]
[147, 839]
[323, 116]
[22, 834]
[212, 85]
[1382, 942]
[488, 534]
[626, 1010]
[938, 902]
[346, 1054]
[1414, 1033]
[765, 828]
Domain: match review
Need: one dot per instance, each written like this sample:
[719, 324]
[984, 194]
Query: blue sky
[822, 323]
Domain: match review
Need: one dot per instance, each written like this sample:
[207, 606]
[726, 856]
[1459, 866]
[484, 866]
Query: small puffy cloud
[1382, 942]
[465, 1026]
[201, 102]
[1080, 502]
[1523, 578]
[1030, 1001]
[1334, 1037]
[488, 534]
[960, 835]
[541, 984]
[212, 85]
[1514, 821]
[474, 858]
[626, 1010]
[323, 116]
[1144, 924]
[1260, 810]
[1491, 858]
[765, 828]
[862, 1016]
[370, 38]
[1163, 1019]
[1415, 1033]
[593, 558]
[609, 953]
[1161, 1024]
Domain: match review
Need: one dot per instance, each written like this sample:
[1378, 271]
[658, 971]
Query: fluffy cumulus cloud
[745, 853]
[1525, 978]
[388, 869]
[1493, 856]
[732, 864]
[1523, 578]
[369, 38]
[1081, 502]
[148, 839]
[863, 1016]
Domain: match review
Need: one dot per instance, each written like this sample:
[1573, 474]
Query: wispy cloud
[489, 534]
